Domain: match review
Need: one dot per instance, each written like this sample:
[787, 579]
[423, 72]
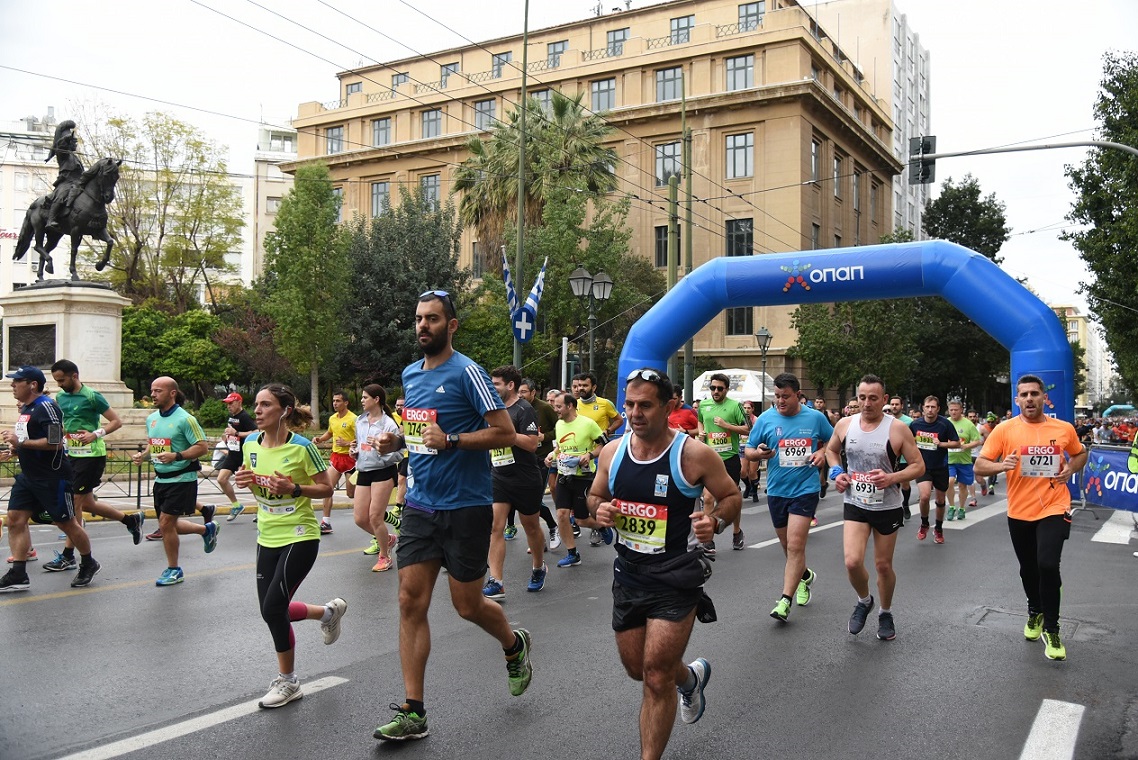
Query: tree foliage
[961, 216]
[1107, 208]
[246, 338]
[155, 343]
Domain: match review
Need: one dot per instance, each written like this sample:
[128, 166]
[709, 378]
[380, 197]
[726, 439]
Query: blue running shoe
[607, 536]
[537, 578]
[570, 560]
[493, 589]
[210, 536]
[170, 576]
[235, 512]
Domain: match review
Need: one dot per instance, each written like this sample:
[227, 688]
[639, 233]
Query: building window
[334, 140]
[604, 95]
[751, 15]
[681, 29]
[669, 162]
[477, 265]
[874, 191]
[857, 190]
[544, 100]
[272, 205]
[815, 160]
[614, 41]
[445, 71]
[381, 131]
[484, 113]
[432, 123]
[282, 143]
[837, 241]
[741, 321]
[501, 60]
[401, 78]
[814, 73]
[354, 87]
[338, 192]
[815, 236]
[741, 155]
[740, 72]
[554, 51]
[431, 184]
[669, 84]
[837, 176]
[740, 237]
[662, 246]
[380, 197]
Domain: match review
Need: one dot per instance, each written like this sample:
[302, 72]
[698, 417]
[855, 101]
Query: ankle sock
[516, 648]
[416, 706]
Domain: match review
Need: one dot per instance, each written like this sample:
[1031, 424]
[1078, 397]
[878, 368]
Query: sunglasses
[650, 375]
[442, 295]
[719, 387]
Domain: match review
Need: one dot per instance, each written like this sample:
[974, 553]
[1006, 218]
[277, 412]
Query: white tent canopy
[746, 385]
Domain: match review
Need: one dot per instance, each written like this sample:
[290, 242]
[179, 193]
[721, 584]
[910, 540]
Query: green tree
[1107, 210]
[175, 215]
[246, 338]
[306, 261]
[961, 216]
[141, 326]
[156, 342]
[407, 250]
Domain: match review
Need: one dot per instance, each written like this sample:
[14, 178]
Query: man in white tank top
[862, 455]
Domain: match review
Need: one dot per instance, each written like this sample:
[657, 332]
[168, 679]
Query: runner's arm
[599, 499]
[903, 442]
[114, 422]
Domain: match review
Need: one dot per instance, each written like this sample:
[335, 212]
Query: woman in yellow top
[286, 471]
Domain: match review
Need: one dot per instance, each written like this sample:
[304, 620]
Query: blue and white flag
[535, 294]
[511, 296]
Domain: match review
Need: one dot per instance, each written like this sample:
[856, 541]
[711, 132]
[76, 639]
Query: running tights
[279, 574]
[1038, 546]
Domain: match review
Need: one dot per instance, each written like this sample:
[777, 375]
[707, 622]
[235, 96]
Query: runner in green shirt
[960, 467]
[721, 422]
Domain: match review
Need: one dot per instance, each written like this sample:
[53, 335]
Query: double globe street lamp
[763, 337]
[595, 288]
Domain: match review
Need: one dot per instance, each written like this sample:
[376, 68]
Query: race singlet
[864, 491]
[1040, 461]
[640, 526]
[415, 421]
[795, 452]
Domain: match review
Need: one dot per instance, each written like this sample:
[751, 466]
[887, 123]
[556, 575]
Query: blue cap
[29, 373]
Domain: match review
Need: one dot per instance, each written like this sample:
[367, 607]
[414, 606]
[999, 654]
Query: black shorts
[459, 538]
[522, 496]
[781, 507]
[571, 494]
[938, 477]
[50, 495]
[633, 607]
[371, 477]
[176, 498]
[231, 461]
[403, 466]
[86, 473]
[734, 468]
[885, 522]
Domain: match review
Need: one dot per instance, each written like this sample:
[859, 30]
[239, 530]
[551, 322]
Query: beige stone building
[792, 150]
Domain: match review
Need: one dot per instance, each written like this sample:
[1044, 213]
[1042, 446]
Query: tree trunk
[314, 382]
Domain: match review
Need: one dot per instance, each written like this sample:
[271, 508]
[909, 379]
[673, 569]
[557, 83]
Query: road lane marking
[773, 541]
[200, 723]
[1054, 731]
[977, 515]
[1117, 529]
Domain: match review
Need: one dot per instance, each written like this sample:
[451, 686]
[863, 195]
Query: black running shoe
[207, 512]
[886, 631]
[860, 613]
[11, 582]
[134, 525]
[87, 571]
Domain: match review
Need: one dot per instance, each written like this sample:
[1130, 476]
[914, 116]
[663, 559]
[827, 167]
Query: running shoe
[382, 565]
[519, 669]
[595, 537]
[373, 548]
[281, 692]
[576, 527]
[133, 523]
[938, 536]
[950, 513]
[12, 582]
[511, 532]
[170, 576]
[403, 726]
[738, 543]
[63, 563]
[208, 511]
[235, 512]
[155, 536]
[537, 578]
[210, 536]
[825, 488]
[709, 548]
[960, 512]
[692, 704]
[971, 503]
[859, 616]
[908, 513]
[331, 629]
[1034, 628]
[922, 532]
[813, 522]
[803, 593]
[325, 528]
[983, 490]
[554, 539]
[32, 557]
[392, 540]
[1053, 648]
[781, 610]
[607, 536]
[493, 589]
[572, 559]
[86, 574]
[886, 631]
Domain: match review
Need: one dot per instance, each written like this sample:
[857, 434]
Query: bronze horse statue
[87, 216]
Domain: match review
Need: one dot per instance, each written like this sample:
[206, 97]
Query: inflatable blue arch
[1002, 307]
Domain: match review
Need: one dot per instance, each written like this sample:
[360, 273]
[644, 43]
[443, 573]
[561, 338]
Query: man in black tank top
[647, 487]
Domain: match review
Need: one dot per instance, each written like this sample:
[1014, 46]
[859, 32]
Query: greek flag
[535, 294]
[511, 296]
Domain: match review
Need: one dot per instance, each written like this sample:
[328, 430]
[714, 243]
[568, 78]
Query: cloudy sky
[1006, 72]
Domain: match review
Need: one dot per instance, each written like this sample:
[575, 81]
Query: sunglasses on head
[649, 375]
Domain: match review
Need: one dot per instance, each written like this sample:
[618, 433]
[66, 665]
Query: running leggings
[279, 574]
[1038, 546]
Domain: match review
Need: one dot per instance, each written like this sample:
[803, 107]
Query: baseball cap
[235, 396]
[29, 373]
[991, 417]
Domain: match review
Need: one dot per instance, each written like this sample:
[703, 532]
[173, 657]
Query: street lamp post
[764, 338]
[594, 288]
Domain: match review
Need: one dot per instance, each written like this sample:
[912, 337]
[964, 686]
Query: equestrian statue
[76, 207]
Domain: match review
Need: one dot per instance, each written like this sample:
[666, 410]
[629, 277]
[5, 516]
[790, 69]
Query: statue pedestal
[80, 321]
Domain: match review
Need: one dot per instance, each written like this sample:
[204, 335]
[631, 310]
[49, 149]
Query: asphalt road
[124, 668]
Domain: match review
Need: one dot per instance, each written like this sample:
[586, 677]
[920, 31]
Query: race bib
[21, 428]
[795, 452]
[1040, 461]
[864, 492]
[160, 446]
[415, 421]
[233, 442]
[502, 457]
[640, 526]
[270, 502]
[927, 441]
[76, 447]
[719, 442]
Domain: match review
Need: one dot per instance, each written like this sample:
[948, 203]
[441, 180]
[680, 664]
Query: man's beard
[435, 345]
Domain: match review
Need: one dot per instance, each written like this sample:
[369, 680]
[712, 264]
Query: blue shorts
[43, 497]
[782, 507]
[965, 474]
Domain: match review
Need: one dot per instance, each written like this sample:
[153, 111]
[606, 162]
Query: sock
[415, 706]
[905, 494]
[940, 524]
[689, 683]
[85, 559]
[69, 552]
[235, 505]
[20, 569]
[806, 574]
[925, 521]
[289, 677]
[327, 614]
[787, 597]
[866, 600]
[516, 648]
[885, 610]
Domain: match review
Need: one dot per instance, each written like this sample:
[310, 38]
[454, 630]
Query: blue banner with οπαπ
[1107, 479]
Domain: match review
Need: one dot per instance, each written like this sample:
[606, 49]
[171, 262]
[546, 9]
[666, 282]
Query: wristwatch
[296, 490]
[452, 440]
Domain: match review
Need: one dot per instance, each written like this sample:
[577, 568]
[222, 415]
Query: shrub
[213, 413]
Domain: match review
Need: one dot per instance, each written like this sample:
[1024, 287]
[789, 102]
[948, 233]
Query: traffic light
[922, 171]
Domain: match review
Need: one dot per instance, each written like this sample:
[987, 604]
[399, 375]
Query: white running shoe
[692, 705]
[554, 539]
[331, 629]
[281, 692]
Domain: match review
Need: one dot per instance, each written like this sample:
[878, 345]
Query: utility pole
[673, 243]
[519, 260]
[689, 358]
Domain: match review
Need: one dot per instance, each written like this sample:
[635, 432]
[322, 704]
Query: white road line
[773, 541]
[976, 515]
[1054, 731]
[1117, 529]
[202, 722]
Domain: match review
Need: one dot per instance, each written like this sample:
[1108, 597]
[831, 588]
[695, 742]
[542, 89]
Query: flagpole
[518, 271]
